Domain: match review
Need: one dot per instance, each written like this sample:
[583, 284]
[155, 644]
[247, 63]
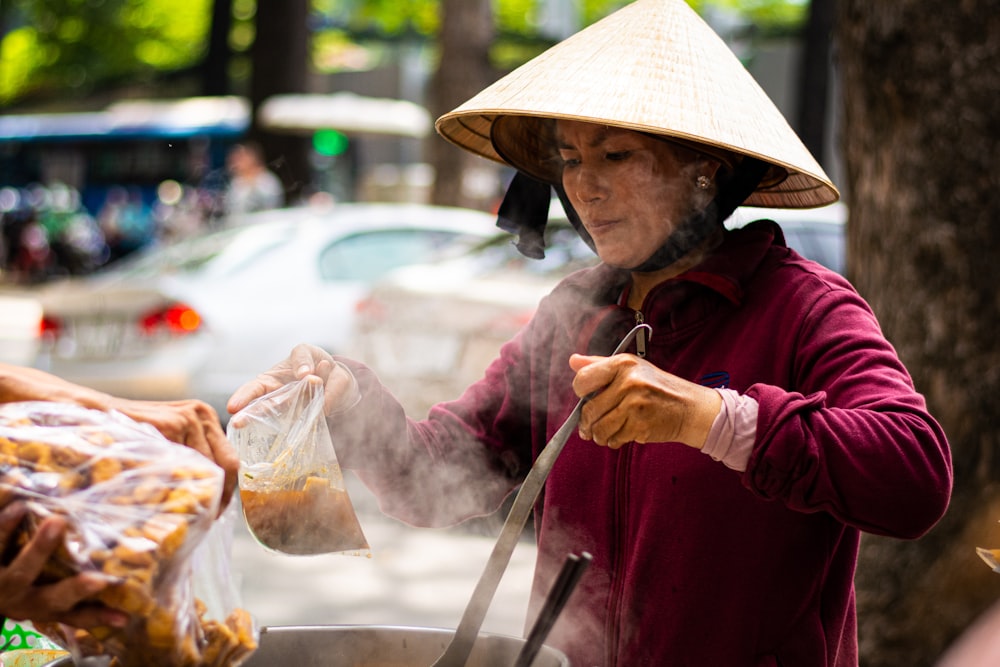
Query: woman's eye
[618, 155]
[568, 161]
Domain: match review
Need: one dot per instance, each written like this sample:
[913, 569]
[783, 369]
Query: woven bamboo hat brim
[653, 66]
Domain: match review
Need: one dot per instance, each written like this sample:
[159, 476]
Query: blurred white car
[19, 315]
[430, 330]
[198, 318]
[816, 233]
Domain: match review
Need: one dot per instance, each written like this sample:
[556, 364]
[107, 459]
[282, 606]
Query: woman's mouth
[600, 226]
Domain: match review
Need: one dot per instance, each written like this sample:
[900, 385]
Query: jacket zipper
[620, 556]
[640, 336]
[621, 529]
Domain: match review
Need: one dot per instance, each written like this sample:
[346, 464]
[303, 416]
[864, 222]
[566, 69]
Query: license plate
[95, 339]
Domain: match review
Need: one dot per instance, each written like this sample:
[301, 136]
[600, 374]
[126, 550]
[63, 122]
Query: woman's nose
[588, 185]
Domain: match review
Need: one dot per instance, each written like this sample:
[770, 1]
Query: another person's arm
[188, 422]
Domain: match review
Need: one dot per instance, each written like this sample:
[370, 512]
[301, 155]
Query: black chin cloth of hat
[524, 212]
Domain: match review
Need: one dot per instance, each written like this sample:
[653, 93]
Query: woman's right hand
[340, 386]
[62, 602]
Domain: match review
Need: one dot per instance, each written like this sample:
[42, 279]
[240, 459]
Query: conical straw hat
[653, 66]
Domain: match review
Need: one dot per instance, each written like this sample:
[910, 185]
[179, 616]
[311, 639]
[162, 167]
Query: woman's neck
[644, 282]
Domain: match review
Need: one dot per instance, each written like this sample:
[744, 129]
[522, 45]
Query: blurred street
[421, 577]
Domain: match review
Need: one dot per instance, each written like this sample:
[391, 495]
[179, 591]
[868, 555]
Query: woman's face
[630, 190]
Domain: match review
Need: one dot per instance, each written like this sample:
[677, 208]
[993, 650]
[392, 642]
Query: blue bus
[81, 169]
[132, 143]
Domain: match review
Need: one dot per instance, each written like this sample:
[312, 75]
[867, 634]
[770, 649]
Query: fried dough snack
[137, 505]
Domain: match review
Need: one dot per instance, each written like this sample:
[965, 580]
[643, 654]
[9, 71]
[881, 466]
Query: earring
[703, 182]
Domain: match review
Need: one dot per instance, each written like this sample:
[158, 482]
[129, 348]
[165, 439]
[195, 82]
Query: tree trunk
[814, 76]
[280, 61]
[921, 90]
[464, 70]
[215, 69]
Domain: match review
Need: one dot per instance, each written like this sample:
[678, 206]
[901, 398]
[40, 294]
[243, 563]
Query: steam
[702, 220]
[580, 628]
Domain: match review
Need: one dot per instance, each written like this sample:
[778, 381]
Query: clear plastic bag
[291, 485]
[137, 506]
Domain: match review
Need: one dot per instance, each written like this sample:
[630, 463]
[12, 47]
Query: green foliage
[385, 18]
[518, 22]
[72, 46]
[390, 18]
[769, 16]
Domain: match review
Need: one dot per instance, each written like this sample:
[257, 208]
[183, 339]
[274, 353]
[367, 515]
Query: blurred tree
[814, 76]
[280, 64]
[62, 48]
[921, 96]
[464, 69]
[215, 77]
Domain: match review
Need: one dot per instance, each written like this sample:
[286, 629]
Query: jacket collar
[731, 265]
[726, 271]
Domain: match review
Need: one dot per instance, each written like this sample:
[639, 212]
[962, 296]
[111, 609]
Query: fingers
[10, 518]
[607, 427]
[242, 397]
[630, 400]
[70, 601]
[595, 379]
[25, 568]
[342, 392]
[194, 424]
[204, 434]
[310, 360]
[592, 374]
[93, 616]
[225, 456]
[18, 595]
[302, 361]
[61, 597]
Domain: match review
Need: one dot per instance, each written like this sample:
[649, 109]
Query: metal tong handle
[457, 653]
[569, 576]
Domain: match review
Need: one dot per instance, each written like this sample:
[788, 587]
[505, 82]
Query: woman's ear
[706, 172]
[708, 168]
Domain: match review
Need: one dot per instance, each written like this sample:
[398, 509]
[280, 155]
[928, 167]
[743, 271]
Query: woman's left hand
[634, 401]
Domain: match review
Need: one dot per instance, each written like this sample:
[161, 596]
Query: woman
[723, 470]
[192, 423]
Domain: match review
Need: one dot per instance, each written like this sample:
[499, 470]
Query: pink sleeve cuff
[734, 430]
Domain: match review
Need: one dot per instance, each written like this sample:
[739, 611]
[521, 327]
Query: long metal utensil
[572, 569]
[457, 653]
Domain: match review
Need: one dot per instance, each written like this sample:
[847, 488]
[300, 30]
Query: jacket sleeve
[856, 440]
[452, 466]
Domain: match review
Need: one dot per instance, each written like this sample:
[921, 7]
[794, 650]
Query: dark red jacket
[694, 564]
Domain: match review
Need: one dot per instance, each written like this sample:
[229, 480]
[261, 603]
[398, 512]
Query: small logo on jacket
[716, 380]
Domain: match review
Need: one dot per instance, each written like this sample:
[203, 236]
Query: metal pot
[381, 645]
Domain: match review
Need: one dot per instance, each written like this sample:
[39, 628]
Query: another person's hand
[189, 422]
[62, 602]
[634, 401]
[340, 387]
[192, 423]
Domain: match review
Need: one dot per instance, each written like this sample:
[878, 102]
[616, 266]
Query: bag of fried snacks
[136, 507]
[291, 485]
